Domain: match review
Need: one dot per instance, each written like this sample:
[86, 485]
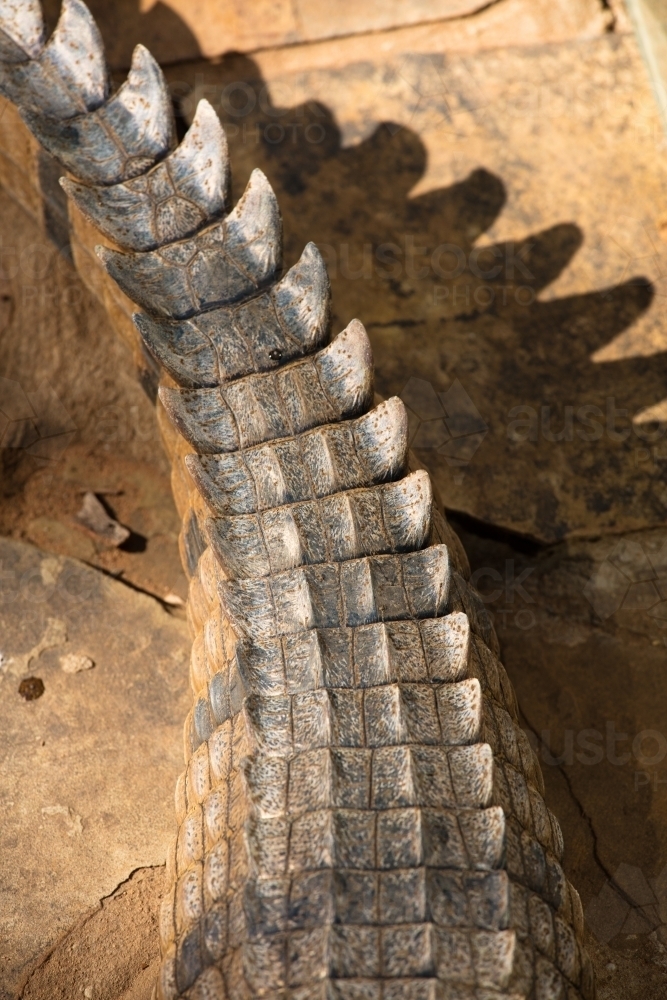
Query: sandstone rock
[74, 419]
[179, 30]
[88, 768]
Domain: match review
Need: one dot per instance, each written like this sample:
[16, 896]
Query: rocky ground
[489, 192]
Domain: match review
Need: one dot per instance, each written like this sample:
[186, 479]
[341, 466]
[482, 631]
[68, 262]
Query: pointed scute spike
[144, 80]
[125, 137]
[141, 114]
[346, 366]
[381, 439]
[202, 159]
[303, 298]
[69, 77]
[171, 201]
[74, 55]
[254, 229]
[22, 25]
[406, 510]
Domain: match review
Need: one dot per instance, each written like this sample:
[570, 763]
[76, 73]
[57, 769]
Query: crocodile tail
[361, 816]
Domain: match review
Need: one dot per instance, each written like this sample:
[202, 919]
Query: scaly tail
[361, 817]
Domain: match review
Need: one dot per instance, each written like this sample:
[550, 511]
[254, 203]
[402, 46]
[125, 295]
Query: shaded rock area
[496, 220]
[176, 30]
[583, 634]
[89, 763]
[489, 193]
[73, 419]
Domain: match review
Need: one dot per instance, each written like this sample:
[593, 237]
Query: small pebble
[31, 688]
[88, 992]
[610, 967]
[174, 600]
[73, 664]
[95, 519]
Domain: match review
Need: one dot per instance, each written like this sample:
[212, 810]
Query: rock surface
[178, 29]
[582, 629]
[88, 767]
[112, 953]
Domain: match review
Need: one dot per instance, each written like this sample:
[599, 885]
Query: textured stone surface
[178, 30]
[88, 768]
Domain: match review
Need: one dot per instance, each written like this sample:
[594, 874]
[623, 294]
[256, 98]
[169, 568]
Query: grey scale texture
[360, 817]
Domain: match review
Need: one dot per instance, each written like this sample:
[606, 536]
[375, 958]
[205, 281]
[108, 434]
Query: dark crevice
[580, 808]
[388, 30]
[584, 816]
[527, 545]
[119, 578]
[611, 27]
[530, 545]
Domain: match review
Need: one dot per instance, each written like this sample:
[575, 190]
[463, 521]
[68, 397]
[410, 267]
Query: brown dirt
[112, 954]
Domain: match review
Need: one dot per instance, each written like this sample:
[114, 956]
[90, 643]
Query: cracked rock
[87, 769]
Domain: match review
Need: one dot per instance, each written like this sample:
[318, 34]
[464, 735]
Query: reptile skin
[360, 817]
